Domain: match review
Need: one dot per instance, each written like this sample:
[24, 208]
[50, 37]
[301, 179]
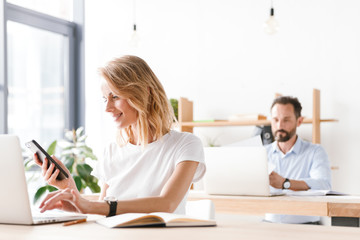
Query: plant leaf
[88, 168]
[51, 149]
[94, 187]
[84, 171]
[82, 138]
[51, 188]
[88, 152]
[69, 135]
[90, 155]
[174, 103]
[78, 182]
[80, 132]
[39, 193]
[69, 162]
[28, 163]
[85, 148]
[80, 144]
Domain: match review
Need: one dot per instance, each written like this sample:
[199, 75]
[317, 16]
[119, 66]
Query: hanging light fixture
[271, 25]
[134, 41]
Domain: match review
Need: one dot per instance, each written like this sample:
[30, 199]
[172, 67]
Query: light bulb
[134, 40]
[271, 25]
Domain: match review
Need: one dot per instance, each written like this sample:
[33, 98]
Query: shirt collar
[295, 149]
[297, 145]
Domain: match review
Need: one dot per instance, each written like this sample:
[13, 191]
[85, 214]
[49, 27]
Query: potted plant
[175, 103]
[74, 152]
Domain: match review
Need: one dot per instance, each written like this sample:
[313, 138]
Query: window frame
[74, 87]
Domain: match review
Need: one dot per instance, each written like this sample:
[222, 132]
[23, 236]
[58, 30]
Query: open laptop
[237, 171]
[15, 207]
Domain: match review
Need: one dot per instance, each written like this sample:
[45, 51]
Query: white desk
[228, 228]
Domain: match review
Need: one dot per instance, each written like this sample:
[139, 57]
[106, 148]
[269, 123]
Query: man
[298, 165]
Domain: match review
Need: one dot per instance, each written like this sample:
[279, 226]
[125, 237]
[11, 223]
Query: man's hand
[276, 180]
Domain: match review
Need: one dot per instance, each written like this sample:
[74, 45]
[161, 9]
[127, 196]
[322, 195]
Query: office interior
[218, 55]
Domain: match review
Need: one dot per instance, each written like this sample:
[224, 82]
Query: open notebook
[157, 219]
[15, 207]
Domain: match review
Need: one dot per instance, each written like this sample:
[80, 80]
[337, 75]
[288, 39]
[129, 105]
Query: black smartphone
[42, 154]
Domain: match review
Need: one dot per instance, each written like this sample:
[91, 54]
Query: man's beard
[286, 137]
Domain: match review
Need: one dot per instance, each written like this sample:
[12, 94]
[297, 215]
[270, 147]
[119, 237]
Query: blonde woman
[150, 167]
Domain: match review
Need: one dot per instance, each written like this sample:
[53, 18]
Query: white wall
[216, 53]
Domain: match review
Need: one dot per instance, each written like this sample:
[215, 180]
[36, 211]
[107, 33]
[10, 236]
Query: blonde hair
[132, 78]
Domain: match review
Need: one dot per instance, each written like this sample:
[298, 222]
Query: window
[57, 8]
[37, 74]
[42, 81]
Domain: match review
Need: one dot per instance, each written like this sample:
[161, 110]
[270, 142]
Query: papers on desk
[314, 193]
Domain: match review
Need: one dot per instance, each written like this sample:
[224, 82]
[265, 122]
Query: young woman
[150, 167]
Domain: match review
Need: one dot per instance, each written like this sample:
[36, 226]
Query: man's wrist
[286, 184]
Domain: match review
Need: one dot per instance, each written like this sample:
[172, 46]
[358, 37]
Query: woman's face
[123, 114]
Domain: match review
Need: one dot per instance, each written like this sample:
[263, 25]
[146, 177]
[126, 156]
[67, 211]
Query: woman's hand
[67, 200]
[50, 176]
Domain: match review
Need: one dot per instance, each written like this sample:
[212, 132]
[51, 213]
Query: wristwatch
[286, 184]
[112, 201]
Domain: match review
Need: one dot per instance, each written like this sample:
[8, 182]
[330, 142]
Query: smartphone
[42, 154]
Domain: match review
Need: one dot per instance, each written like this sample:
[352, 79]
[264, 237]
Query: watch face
[286, 184]
[110, 198]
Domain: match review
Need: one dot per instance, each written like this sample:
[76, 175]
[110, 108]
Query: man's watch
[112, 201]
[286, 184]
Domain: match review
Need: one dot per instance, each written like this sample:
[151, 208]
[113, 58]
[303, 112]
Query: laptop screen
[237, 171]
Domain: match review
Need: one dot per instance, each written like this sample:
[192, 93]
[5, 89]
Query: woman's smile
[117, 116]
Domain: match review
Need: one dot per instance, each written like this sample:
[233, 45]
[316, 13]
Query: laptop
[237, 171]
[15, 207]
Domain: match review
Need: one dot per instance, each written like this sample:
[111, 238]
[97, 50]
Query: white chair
[203, 209]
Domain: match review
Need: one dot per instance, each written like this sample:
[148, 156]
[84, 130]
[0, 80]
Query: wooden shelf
[187, 124]
[225, 123]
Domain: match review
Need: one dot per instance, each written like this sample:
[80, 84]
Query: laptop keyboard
[45, 219]
[54, 216]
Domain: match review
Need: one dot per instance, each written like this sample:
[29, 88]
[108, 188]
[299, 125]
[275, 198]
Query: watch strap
[113, 207]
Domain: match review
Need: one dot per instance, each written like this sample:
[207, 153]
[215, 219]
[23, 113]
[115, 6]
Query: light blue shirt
[305, 161]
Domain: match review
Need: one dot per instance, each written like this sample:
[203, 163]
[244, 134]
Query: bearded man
[297, 164]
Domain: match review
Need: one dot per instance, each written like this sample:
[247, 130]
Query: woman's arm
[170, 197]
[103, 191]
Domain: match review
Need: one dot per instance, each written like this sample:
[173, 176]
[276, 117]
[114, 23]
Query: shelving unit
[187, 124]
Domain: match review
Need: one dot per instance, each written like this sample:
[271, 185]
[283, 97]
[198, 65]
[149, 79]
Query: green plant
[74, 152]
[212, 141]
[174, 103]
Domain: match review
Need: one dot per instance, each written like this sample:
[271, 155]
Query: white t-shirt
[132, 172]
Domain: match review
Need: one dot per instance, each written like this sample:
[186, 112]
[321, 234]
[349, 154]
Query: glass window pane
[57, 8]
[37, 74]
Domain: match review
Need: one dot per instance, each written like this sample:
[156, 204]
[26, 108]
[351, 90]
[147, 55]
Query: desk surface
[330, 206]
[229, 227]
